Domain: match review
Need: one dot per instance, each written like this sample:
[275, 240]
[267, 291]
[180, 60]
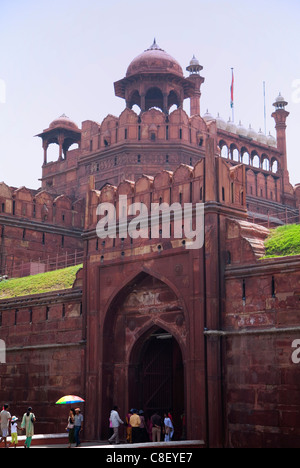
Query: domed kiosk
[154, 79]
[62, 131]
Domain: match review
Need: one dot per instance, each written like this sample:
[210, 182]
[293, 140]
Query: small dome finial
[280, 102]
[155, 46]
[194, 66]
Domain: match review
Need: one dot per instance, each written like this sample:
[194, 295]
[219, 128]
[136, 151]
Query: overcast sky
[62, 56]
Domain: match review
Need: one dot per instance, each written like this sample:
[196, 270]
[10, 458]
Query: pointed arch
[144, 302]
[122, 290]
[154, 98]
[173, 99]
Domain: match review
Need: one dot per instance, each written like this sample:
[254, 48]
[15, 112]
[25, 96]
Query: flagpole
[231, 97]
[265, 119]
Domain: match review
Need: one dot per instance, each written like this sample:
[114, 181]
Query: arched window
[135, 100]
[246, 158]
[154, 98]
[172, 101]
[234, 153]
[255, 160]
[274, 166]
[224, 149]
[265, 163]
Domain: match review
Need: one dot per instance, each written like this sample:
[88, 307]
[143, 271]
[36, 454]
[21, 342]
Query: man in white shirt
[115, 424]
[5, 418]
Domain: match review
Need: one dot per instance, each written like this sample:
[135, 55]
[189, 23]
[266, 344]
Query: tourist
[78, 426]
[128, 427]
[149, 429]
[115, 422]
[71, 427]
[156, 427]
[170, 415]
[5, 418]
[111, 430]
[28, 425]
[143, 429]
[14, 431]
[135, 422]
[169, 428]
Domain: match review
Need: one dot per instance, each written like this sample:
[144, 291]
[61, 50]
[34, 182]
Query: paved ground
[172, 446]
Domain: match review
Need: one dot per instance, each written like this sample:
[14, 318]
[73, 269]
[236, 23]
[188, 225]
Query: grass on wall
[38, 284]
[282, 241]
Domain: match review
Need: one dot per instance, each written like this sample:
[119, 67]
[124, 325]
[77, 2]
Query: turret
[280, 115]
[194, 69]
[62, 131]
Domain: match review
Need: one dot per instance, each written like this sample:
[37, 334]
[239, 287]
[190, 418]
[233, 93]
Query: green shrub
[38, 284]
[282, 241]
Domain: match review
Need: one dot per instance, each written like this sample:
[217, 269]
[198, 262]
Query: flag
[231, 90]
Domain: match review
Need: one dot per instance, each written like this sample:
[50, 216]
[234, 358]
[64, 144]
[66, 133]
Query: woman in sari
[28, 424]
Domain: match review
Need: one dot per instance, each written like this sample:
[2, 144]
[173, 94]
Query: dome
[252, 133]
[194, 66]
[262, 137]
[241, 130]
[271, 140]
[154, 60]
[221, 123]
[64, 121]
[280, 102]
[207, 116]
[280, 98]
[194, 61]
[231, 127]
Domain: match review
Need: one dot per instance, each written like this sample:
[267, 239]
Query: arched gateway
[156, 377]
[144, 341]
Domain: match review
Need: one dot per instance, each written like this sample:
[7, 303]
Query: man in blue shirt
[78, 422]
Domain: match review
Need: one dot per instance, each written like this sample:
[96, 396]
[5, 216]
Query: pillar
[61, 140]
[45, 147]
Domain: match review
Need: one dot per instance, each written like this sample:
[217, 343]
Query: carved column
[61, 140]
[45, 147]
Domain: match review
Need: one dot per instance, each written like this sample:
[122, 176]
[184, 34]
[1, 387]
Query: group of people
[138, 429]
[9, 425]
[74, 426]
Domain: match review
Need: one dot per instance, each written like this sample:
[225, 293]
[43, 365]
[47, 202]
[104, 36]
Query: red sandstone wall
[262, 382]
[45, 349]
[37, 226]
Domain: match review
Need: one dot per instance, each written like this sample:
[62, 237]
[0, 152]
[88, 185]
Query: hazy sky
[62, 56]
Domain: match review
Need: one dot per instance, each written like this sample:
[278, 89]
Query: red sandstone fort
[148, 322]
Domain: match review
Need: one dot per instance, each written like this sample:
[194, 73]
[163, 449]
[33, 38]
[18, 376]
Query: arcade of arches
[154, 97]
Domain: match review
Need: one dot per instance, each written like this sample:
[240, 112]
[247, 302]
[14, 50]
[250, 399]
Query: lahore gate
[206, 332]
